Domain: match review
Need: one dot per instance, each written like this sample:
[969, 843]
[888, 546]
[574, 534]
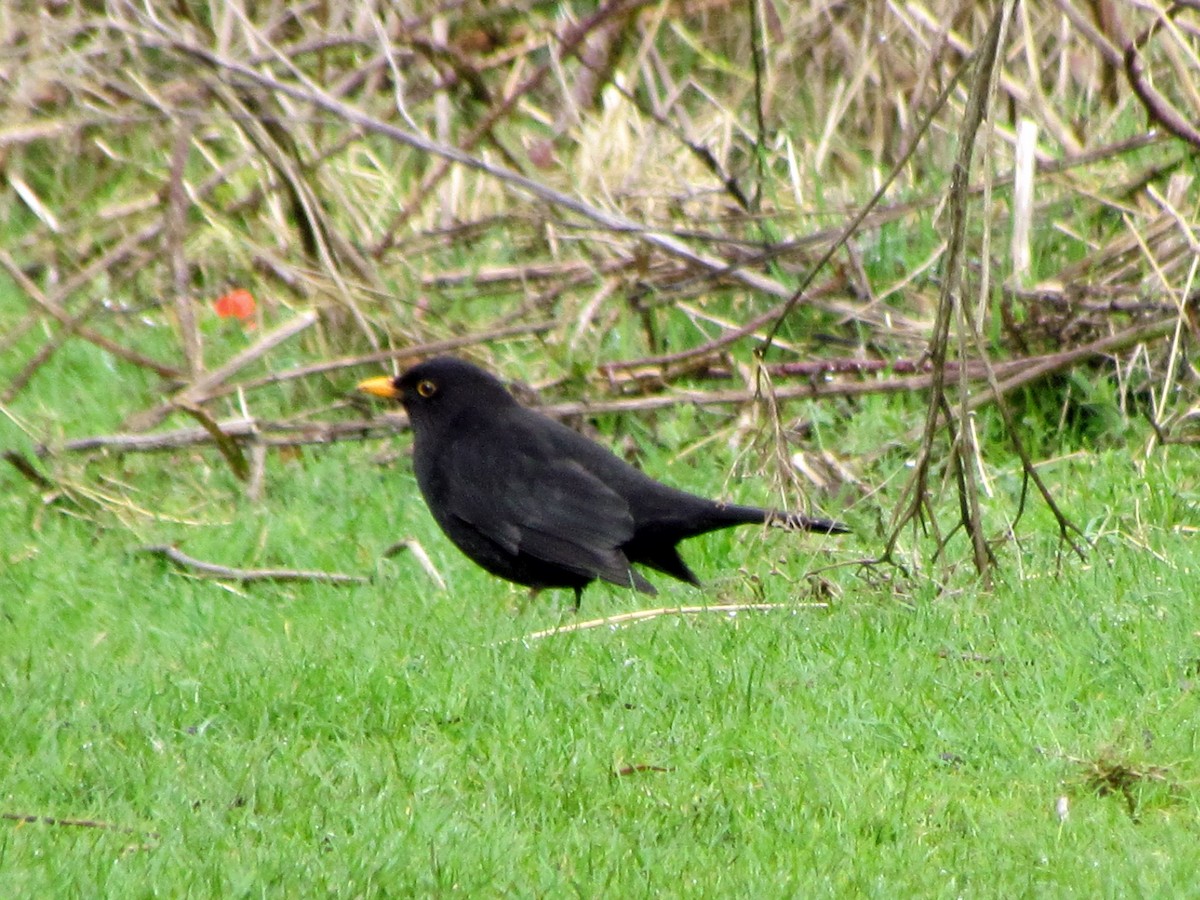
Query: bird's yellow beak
[380, 387]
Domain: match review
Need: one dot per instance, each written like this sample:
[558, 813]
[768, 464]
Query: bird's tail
[732, 514]
[800, 522]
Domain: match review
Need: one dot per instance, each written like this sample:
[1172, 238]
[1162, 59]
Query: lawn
[872, 737]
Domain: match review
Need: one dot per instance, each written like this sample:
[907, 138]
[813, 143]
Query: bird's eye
[426, 388]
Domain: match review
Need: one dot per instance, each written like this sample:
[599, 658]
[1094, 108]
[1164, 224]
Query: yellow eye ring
[426, 388]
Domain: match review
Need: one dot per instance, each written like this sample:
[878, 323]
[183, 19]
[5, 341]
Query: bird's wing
[528, 499]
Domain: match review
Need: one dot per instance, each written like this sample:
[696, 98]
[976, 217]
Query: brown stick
[286, 435]
[74, 823]
[213, 570]
[1159, 108]
[915, 499]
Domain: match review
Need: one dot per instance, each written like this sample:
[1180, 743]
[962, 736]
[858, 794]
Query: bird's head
[439, 389]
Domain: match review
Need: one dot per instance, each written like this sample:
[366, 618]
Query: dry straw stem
[645, 615]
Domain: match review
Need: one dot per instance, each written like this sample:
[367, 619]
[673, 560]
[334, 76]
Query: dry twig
[645, 615]
[214, 570]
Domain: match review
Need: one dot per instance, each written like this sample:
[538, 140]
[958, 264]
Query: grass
[394, 739]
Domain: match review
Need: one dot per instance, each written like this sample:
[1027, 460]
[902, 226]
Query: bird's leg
[578, 599]
[523, 607]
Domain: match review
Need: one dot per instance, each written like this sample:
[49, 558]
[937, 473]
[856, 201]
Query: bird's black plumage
[533, 501]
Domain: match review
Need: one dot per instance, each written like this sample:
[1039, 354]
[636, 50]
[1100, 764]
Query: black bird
[533, 501]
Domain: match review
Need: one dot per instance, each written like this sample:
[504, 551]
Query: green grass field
[393, 738]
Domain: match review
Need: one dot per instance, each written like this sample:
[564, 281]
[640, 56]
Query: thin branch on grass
[644, 615]
[272, 434]
[24, 819]
[214, 570]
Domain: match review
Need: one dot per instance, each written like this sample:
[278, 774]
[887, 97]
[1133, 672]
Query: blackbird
[533, 501]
